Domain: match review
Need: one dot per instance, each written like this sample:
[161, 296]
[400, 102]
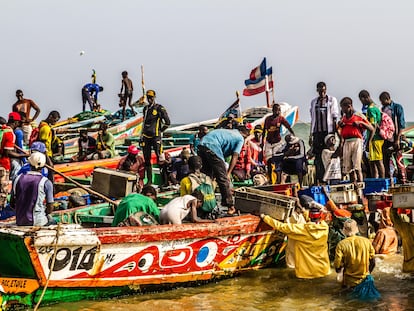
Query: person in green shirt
[136, 203]
[375, 156]
[105, 142]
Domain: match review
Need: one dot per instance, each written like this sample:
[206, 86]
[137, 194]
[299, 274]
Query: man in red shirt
[6, 151]
[351, 129]
[273, 148]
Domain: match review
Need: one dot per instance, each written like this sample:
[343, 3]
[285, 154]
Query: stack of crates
[256, 202]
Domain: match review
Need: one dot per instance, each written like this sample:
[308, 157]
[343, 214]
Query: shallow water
[268, 289]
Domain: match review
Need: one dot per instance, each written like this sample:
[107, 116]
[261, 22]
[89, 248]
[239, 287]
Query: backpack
[386, 127]
[34, 136]
[206, 189]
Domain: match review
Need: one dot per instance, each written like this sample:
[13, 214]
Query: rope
[51, 267]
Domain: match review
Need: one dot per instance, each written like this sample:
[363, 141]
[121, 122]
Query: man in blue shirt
[392, 148]
[89, 90]
[213, 149]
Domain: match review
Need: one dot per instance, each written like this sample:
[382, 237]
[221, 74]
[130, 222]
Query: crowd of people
[344, 144]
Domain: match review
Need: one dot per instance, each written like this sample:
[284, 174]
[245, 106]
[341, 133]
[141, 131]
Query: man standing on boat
[273, 148]
[25, 105]
[29, 192]
[156, 121]
[324, 112]
[214, 148]
[392, 149]
[126, 90]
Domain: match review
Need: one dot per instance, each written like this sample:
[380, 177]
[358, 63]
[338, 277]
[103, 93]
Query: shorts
[352, 155]
[293, 166]
[272, 149]
[27, 132]
[375, 150]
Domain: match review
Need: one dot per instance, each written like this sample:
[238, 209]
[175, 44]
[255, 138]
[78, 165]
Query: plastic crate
[285, 189]
[375, 185]
[403, 196]
[258, 202]
[344, 197]
[344, 193]
[314, 192]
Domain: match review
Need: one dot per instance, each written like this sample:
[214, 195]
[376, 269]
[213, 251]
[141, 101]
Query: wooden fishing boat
[255, 115]
[69, 133]
[84, 169]
[68, 262]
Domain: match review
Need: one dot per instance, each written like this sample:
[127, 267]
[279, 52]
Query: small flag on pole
[233, 113]
[258, 83]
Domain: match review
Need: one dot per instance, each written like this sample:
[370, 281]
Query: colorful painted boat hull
[84, 169]
[108, 262]
[121, 131]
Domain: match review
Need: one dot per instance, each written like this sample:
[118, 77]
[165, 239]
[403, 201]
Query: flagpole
[267, 92]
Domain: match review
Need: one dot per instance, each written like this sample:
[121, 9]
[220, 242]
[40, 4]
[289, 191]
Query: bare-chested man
[25, 106]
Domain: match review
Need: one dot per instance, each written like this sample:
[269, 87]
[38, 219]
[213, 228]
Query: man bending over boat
[214, 148]
[156, 121]
[134, 205]
[90, 93]
[29, 193]
[179, 208]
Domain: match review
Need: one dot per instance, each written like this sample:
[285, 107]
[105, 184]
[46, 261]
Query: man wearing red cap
[6, 151]
[310, 247]
[133, 162]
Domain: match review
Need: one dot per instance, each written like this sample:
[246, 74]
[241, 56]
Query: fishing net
[90, 114]
[366, 290]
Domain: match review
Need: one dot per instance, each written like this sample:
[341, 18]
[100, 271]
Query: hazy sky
[196, 54]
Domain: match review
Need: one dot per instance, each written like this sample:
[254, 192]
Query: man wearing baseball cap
[133, 162]
[156, 121]
[311, 244]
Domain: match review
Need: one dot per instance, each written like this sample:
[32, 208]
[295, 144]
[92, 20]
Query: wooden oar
[89, 190]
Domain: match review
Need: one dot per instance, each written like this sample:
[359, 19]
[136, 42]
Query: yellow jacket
[311, 246]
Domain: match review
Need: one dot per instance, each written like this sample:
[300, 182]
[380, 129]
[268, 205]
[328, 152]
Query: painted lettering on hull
[14, 285]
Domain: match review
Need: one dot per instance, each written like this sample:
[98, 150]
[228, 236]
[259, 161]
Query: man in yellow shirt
[46, 134]
[311, 245]
[355, 255]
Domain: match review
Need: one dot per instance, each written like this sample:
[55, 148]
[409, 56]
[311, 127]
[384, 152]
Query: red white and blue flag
[260, 80]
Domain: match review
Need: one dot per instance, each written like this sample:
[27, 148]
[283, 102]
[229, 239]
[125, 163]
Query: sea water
[268, 289]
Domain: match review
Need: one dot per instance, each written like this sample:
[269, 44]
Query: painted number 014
[65, 257]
